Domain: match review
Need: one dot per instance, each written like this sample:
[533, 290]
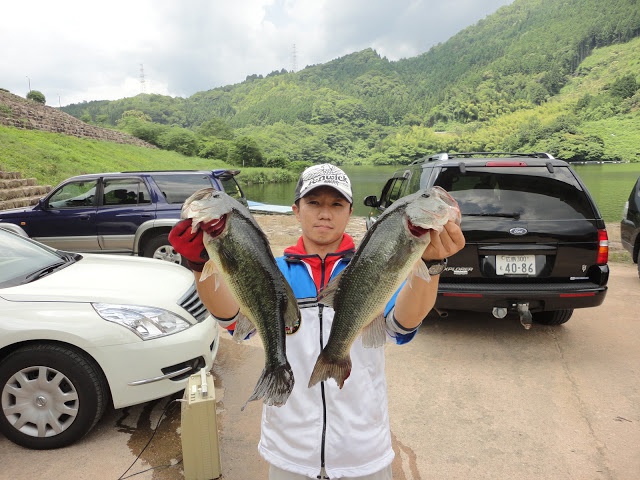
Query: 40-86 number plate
[515, 264]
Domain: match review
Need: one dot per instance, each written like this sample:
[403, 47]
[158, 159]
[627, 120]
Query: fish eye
[426, 195]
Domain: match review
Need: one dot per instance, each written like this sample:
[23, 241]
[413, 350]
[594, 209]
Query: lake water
[609, 184]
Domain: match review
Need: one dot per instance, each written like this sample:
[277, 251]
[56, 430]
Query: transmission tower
[143, 87]
[294, 59]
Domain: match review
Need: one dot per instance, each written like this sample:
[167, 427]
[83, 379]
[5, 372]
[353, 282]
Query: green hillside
[547, 75]
[53, 157]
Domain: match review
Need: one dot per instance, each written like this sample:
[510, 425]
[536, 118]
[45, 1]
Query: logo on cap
[324, 175]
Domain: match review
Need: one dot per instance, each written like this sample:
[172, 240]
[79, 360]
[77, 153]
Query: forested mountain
[556, 75]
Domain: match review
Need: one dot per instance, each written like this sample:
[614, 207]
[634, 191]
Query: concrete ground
[472, 397]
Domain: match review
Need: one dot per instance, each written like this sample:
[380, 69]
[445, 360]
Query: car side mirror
[371, 201]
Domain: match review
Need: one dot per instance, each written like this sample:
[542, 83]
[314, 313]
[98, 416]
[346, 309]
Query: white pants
[276, 473]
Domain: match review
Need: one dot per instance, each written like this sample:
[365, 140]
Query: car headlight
[146, 322]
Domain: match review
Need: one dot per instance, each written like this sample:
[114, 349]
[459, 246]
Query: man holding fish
[333, 421]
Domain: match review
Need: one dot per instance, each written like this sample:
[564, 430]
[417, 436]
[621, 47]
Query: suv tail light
[603, 247]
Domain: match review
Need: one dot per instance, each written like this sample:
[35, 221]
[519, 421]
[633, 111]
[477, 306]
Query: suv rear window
[526, 193]
[231, 187]
[177, 187]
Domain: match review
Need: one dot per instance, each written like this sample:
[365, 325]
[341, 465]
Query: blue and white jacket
[346, 430]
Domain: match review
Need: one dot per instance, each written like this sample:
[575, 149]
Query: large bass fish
[239, 253]
[387, 254]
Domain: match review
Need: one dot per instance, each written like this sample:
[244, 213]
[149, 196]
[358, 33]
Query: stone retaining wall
[16, 191]
[18, 112]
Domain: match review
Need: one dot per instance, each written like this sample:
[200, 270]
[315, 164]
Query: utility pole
[29, 83]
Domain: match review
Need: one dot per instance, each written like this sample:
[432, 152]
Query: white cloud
[77, 50]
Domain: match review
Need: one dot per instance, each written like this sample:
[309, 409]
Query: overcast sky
[77, 50]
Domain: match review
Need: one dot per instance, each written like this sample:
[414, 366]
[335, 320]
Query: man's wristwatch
[436, 267]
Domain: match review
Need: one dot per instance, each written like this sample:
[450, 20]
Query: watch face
[436, 267]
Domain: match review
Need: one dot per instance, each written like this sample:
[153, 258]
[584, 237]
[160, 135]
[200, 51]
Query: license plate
[515, 264]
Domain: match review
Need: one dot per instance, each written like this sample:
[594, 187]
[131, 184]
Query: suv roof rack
[447, 156]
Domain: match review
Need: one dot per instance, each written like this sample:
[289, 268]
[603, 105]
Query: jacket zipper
[324, 403]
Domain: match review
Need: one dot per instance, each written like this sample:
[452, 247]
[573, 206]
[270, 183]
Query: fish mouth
[216, 226]
[416, 230]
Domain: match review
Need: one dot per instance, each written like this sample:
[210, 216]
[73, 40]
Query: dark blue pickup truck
[123, 212]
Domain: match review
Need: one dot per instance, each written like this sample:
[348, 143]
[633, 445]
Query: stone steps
[16, 192]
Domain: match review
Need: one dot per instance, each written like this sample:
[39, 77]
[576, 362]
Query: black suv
[630, 225]
[117, 212]
[536, 244]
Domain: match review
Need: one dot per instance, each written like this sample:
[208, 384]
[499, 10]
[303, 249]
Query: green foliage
[266, 175]
[214, 148]
[298, 167]
[138, 127]
[625, 86]
[135, 115]
[533, 75]
[246, 153]
[36, 96]
[277, 161]
[216, 127]
[53, 157]
[179, 140]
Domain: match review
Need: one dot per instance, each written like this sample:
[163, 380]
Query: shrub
[179, 140]
[36, 96]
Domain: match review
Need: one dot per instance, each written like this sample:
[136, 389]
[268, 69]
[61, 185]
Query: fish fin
[374, 334]
[327, 294]
[274, 385]
[292, 317]
[292, 312]
[326, 368]
[420, 270]
[243, 328]
[208, 270]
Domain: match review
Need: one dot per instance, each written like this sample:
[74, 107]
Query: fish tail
[326, 368]
[274, 385]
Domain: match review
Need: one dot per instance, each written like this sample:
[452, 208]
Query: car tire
[159, 247]
[50, 396]
[554, 317]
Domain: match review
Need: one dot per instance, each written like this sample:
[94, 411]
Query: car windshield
[523, 193]
[22, 260]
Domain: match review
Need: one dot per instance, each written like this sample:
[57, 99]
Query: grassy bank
[53, 157]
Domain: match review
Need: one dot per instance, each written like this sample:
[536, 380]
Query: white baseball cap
[323, 175]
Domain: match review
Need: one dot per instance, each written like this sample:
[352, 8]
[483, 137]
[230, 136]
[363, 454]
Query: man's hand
[444, 244]
[189, 245]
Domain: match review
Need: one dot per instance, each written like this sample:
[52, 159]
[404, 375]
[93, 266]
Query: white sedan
[81, 332]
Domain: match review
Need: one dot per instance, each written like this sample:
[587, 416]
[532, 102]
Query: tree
[278, 160]
[246, 153]
[179, 140]
[36, 96]
[624, 87]
[214, 148]
[141, 128]
[216, 127]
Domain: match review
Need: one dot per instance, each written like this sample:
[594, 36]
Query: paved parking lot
[472, 397]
